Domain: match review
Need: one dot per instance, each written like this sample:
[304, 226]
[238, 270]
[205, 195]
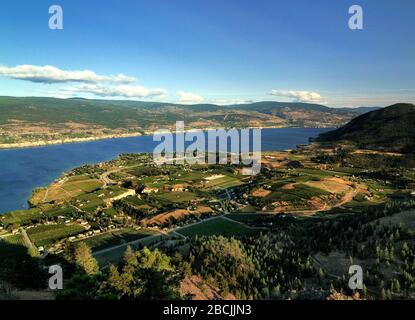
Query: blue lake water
[22, 170]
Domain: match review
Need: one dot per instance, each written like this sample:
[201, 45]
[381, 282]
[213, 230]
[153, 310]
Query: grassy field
[223, 183]
[247, 217]
[176, 196]
[219, 226]
[90, 201]
[298, 193]
[45, 235]
[21, 217]
[16, 239]
[60, 211]
[318, 173]
[115, 238]
[114, 256]
[72, 187]
[189, 177]
[134, 201]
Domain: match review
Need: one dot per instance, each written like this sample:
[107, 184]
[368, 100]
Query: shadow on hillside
[18, 270]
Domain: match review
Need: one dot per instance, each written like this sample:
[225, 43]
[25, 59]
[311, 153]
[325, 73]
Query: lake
[22, 170]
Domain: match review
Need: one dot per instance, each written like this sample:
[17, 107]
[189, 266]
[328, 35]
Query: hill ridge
[390, 128]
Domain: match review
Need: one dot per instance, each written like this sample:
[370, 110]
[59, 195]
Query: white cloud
[124, 91]
[224, 102]
[50, 74]
[189, 98]
[299, 96]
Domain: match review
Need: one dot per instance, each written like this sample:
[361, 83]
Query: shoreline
[43, 143]
[63, 172]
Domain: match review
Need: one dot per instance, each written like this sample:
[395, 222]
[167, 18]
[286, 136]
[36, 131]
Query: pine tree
[84, 259]
[275, 293]
[129, 261]
[397, 286]
[383, 294]
[321, 275]
[114, 279]
[404, 250]
[69, 252]
[388, 294]
[364, 291]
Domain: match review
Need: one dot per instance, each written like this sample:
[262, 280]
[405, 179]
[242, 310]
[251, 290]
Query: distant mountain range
[390, 128]
[34, 119]
[362, 110]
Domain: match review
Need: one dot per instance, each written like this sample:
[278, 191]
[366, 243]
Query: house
[148, 190]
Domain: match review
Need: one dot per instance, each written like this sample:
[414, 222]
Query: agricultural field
[297, 191]
[304, 189]
[65, 189]
[115, 238]
[294, 197]
[16, 239]
[137, 203]
[319, 173]
[176, 196]
[46, 235]
[21, 217]
[165, 217]
[307, 191]
[247, 217]
[189, 177]
[113, 256]
[223, 183]
[216, 226]
[89, 202]
[64, 211]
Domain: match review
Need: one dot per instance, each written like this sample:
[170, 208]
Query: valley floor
[131, 202]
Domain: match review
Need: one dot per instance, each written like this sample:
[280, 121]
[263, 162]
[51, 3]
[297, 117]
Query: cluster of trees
[133, 184]
[95, 170]
[142, 274]
[283, 263]
[408, 270]
[80, 259]
[264, 266]
[345, 233]
[338, 155]
[364, 237]
[19, 270]
[132, 211]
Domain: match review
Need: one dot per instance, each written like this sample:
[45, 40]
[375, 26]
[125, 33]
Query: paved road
[105, 176]
[153, 237]
[125, 245]
[105, 179]
[26, 238]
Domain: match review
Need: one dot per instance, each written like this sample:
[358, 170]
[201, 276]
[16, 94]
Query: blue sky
[215, 51]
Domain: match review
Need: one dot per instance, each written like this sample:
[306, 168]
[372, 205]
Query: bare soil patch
[261, 192]
[198, 289]
[163, 218]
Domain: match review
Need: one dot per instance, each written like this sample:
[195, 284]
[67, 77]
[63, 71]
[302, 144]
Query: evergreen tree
[383, 295]
[84, 259]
